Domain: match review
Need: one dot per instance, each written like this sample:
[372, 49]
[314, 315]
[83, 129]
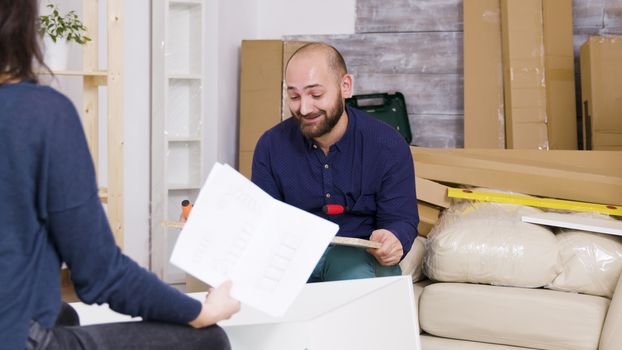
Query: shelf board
[178, 187]
[184, 139]
[186, 2]
[99, 77]
[103, 194]
[97, 73]
[184, 76]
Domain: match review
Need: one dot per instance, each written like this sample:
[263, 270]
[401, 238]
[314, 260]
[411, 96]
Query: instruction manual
[238, 232]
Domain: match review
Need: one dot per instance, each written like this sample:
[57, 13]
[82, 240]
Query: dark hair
[19, 40]
[335, 61]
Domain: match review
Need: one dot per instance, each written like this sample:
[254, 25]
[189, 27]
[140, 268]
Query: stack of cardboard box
[519, 74]
[601, 90]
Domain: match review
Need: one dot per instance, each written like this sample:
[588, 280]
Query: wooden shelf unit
[111, 78]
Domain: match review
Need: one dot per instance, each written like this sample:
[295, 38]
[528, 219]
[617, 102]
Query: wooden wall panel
[424, 93]
[408, 16]
[613, 17]
[425, 67]
[434, 130]
[429, 52]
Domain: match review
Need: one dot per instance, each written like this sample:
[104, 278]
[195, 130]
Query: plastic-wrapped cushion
[412, 264]
[591, 263]
[481, 242]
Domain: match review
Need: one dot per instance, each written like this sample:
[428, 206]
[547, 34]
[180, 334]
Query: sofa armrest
[609, 338]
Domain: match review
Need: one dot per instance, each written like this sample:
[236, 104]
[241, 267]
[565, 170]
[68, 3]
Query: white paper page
[266, 247]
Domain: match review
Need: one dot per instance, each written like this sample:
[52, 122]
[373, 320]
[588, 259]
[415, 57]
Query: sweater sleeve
[397, 201]
[80, 231]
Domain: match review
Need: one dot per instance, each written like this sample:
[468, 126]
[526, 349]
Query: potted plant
[58, 31]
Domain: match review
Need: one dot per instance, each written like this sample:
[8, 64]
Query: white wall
[293, 17]
[136, 112]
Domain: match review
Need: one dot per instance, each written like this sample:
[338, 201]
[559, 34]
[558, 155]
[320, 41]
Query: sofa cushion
[591, 262]
[488, 243]
[532, 318]
[430, 342]
[611, 337]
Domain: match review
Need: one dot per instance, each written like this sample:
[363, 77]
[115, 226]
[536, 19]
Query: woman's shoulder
[40, 93]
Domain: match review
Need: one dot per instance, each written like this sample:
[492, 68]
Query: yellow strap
[534, 201]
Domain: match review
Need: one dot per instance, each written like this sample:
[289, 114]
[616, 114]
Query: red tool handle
[334, 209]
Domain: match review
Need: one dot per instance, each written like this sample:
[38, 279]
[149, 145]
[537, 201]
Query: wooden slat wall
[383, 16]
[430, 77]
[415, 47]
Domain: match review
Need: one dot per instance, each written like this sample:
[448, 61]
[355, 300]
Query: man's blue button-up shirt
[369, 170]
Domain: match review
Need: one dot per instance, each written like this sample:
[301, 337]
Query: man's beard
[331, 118]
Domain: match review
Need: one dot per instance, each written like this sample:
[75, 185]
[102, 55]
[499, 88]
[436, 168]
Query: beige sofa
[474, 316]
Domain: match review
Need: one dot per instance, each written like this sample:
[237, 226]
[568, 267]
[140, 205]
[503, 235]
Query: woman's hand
[218, 306]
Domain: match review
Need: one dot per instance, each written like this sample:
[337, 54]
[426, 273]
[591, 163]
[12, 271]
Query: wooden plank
[115, 119]
[90, 97]
[559, 177]
[356, 242]
[408, 16]
[437, 131]
[432, 192]
[424, 93]
[430, 52]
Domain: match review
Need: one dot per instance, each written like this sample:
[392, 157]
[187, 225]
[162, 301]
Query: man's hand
[218, 306]
[391, 250]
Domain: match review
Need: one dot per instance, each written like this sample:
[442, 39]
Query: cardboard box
[559, 74]
[260, 89]
[601, 90]
[376, 313]
[262, 92]
[484, 115]
[245, 162]
[558, 174]
[432, 192]
[538, 74]
[523, 71]
[428, 217]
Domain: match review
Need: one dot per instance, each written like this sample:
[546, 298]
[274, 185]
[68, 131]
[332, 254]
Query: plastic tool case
[390, 108]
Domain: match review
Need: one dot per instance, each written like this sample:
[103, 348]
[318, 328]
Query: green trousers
[347, 263]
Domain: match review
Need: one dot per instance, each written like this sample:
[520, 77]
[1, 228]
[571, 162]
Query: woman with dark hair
[50, 213]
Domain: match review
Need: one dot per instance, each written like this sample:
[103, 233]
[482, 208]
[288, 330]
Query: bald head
[329, 54]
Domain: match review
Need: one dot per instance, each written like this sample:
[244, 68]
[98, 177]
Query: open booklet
[239, 232]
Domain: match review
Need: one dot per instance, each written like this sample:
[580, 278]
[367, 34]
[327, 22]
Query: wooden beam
[115, 119]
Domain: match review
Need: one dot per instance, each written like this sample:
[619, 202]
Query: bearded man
[328, 153]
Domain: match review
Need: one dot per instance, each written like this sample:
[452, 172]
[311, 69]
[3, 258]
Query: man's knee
[347, 263]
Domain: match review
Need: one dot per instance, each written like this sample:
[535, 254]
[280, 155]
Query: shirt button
[326, 166]
[315, 146]
[328, 195]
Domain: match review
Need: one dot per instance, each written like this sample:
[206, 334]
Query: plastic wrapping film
[591, 262]
[480, 242]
